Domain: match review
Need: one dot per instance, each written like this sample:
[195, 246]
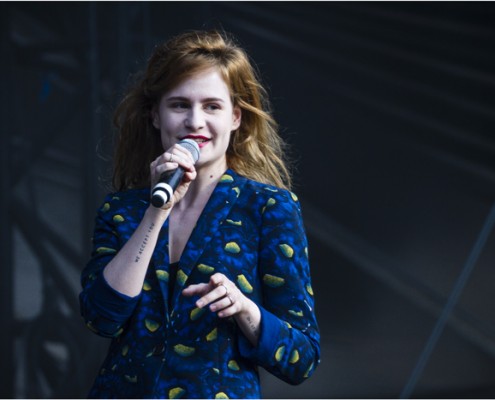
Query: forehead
[206, 83]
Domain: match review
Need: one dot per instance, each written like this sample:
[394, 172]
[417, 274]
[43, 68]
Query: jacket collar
[217, 208]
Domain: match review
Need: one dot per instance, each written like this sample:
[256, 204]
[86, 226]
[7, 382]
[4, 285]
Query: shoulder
[124, 202]
[266, 194]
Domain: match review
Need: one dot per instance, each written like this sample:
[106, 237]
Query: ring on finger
[230, 298]
[226, 290]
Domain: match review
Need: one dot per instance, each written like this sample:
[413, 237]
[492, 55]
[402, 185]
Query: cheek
[167, 132]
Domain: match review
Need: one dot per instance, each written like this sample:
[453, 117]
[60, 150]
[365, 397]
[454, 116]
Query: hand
[174, 157]
[221, 294]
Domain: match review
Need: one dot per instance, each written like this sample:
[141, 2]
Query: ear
[155, 118]
[236, 118]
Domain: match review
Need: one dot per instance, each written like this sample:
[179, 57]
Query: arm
[127, 270]
[288, 344]
[108, 299]
[113, 279]
[223, 297]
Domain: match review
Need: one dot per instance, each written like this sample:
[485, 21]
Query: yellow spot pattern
[244, 284]
[221, 395]
[286, 250]
[212, 335]
[309, 289]
[236, 223]
[125, 350]
[294, 357]
[162, 275]
[205, 269]
[90, 326]
[131, 379]
[306, 374]
[216, 371]
[237, 190]
[184, 351]
[232, 247]
[294, 197]
[270, 202]
[181, 277]
[151, 325]
[196, 313]
[176, 393]
[233, 365]
[146, 286]
[118, 218]
[279, 353]
[100, 250]
[296, 313]
[119, 332]
[273, 281]
[226, 178]
[105, 207]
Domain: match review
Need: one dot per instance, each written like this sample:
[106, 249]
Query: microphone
[165, 188]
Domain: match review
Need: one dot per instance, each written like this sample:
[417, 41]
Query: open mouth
[200, 140]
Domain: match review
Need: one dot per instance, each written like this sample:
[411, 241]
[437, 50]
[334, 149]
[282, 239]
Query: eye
[212, 107]
[179, 105]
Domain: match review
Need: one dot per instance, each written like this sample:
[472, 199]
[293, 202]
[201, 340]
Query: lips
[200, 140]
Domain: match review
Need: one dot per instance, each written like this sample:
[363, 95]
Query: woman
[199, 293]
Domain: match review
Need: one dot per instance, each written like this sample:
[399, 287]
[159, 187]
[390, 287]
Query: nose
[195, 119]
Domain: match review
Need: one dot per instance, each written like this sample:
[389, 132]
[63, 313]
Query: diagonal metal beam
[450, 305]
[377, 264]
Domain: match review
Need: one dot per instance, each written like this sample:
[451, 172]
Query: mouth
[200, 140]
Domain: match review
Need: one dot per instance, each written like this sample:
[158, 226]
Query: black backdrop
[389, 110]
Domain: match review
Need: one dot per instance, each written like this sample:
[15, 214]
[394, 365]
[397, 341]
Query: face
[199, 108]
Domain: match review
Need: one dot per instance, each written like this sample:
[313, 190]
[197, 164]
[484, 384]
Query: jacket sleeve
[288, 346]
[105, 310]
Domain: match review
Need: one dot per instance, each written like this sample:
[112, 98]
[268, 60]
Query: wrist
[157, 214]
[250, 309]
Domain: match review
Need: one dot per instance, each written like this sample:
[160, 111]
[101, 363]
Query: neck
[202, 187]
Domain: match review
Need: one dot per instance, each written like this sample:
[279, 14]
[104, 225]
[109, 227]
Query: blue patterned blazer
[251, 232]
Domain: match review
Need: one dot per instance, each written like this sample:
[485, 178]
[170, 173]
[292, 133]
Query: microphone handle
[164, 189]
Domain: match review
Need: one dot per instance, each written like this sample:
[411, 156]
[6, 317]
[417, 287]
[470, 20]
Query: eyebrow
[208, 99]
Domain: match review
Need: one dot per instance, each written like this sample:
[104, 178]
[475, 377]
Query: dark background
[389, 110]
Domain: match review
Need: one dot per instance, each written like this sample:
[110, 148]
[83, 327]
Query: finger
[168, 166]
[218, 278]
[177, 152]
[196, 289]
[222, 304]
[182, 159]
[215, 294]
[229, 311]
[186, 153]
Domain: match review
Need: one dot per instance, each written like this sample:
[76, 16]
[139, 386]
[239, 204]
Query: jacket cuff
[270, 330]
[109, 303]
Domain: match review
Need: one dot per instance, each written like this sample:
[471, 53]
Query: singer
[198, 293]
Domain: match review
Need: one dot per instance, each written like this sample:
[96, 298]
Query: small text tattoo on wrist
[144, 244]
[252, 326]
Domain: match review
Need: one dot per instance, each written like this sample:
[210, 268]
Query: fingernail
[200, 303]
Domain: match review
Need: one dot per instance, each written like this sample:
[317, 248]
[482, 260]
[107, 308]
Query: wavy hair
[256, 150]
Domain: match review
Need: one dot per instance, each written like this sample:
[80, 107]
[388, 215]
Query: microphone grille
[192, 147]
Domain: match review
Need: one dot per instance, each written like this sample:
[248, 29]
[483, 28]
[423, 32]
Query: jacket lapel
[215, 212]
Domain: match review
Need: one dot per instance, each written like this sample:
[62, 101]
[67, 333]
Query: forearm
[249, 321]
[127, 270]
